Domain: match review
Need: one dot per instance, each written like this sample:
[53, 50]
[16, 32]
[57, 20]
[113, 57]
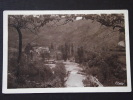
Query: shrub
[11, 81]
[60, 72]
[57, 80]
[107, 68]
[89, 83]
[35, 74]
[37, 71]
[12, 65]
[31, 74]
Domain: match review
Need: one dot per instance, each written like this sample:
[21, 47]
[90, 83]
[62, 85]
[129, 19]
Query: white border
[63, 90]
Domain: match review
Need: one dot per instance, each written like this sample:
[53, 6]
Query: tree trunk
[19, 54]
[20, 45]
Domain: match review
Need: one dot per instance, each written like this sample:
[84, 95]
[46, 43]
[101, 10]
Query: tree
[27, 22]
[45, 55]
[62, 48]
[109, 20]
[51, 46]
[80, 54]
[72, 50]
[28, 52]
[66, 50]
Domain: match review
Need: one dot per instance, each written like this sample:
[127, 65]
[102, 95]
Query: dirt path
[74, 78]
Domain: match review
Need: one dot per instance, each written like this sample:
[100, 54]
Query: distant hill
[87, 33]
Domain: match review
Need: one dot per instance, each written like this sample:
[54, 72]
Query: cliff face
[87, 33]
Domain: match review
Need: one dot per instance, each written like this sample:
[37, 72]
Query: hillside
[91, 35]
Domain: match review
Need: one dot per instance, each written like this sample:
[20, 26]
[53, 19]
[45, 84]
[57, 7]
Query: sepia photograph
[66, 51]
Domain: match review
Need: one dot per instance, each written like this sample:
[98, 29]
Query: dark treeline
[69, 50]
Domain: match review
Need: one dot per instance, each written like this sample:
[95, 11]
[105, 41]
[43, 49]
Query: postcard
[66, 51]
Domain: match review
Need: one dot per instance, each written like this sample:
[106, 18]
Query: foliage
[80, 55]
[88, 82]
[60, 72]
[109, 20]
[107, 69]
[35, 74]
[29, 22]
